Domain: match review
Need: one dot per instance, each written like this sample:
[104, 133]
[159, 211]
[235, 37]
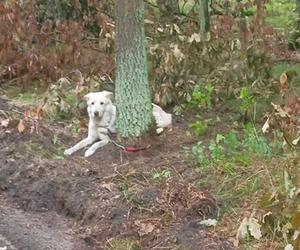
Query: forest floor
[149, 199]
[111, 200]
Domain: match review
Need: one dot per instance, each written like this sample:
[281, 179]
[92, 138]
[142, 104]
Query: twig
[17, 111]
[270, 178]
[152, 4]
[13, 110]
[4, 114]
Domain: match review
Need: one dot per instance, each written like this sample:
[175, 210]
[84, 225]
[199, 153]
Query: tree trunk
[260, 14]
[203, 15]
[133, 99]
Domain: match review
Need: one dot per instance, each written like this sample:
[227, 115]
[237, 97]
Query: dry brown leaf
[254, 228]
[144, 228]
[39, 112]
[21, 126]
[280, 111]
[4, 123]
[243, 229]
[109, 186]
[283, 78]
[266, 126]
[249, 226]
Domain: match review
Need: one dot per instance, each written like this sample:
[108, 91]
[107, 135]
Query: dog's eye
[92, 103]
[101, 103]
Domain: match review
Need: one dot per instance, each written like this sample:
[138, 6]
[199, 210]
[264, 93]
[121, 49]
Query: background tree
[133, 98]
[203, 11]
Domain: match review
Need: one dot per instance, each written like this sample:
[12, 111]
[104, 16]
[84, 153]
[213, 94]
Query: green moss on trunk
[133, 97]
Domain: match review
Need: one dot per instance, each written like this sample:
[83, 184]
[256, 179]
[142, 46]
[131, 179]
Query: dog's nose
[96, 113]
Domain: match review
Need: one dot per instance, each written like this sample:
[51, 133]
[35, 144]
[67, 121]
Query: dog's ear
[108, 94]
[87, 96]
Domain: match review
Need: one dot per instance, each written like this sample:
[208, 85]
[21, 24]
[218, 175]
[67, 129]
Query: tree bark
[133, 99]
[203, 16]
[260, 14]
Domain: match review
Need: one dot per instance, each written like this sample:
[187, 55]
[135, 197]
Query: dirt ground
[111, 200]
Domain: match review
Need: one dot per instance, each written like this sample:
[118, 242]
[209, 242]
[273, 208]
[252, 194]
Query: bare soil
[50, 202]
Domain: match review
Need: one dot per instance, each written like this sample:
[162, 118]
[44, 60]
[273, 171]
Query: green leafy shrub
[202, 96]
[255, 143]
[231, 149]
[198, 152]
[160, 175]
[294, 39]
[199, 127]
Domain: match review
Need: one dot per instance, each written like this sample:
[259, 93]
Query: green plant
[217, 151]
[231, 140]
[198, 152]
[242, 159]
[247, 101]
[59, 148]
[255, 143]
[281, 14]
[228, 150]
[199, 127]
[202, 96]
[123, 244]
[281, 205]
[128, 191]
[163, 174]
[229, 168]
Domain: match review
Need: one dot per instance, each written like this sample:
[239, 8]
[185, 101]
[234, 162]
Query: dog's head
[97, 103]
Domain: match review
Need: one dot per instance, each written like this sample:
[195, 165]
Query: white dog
[102, 116]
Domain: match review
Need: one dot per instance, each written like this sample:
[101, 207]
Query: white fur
[102, 116]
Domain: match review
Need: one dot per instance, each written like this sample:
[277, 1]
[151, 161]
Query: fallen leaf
[295, 142]
[249, 226]
[283, 78]
[195, 37]
[209, 222]
[254, 228]
[280, 111]
[39, 112]
[159, 131]
[109, 186]
[296, 235]
[243, 229]
[288, 184]
[236, 243]
[144, 227]
[177, 28]
[289, 247]
[4, 123]
[265, 216]
[21, 126]
[266, 126]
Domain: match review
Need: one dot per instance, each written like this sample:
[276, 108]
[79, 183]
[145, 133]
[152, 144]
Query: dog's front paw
[68, 151]
[89, 152]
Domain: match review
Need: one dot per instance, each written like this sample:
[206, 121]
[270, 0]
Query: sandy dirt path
[35, 231]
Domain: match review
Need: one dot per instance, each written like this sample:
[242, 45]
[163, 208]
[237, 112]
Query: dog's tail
[162, 118]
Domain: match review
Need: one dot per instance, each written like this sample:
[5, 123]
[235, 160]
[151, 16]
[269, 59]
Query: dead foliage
[44, 50]
[285, 116]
